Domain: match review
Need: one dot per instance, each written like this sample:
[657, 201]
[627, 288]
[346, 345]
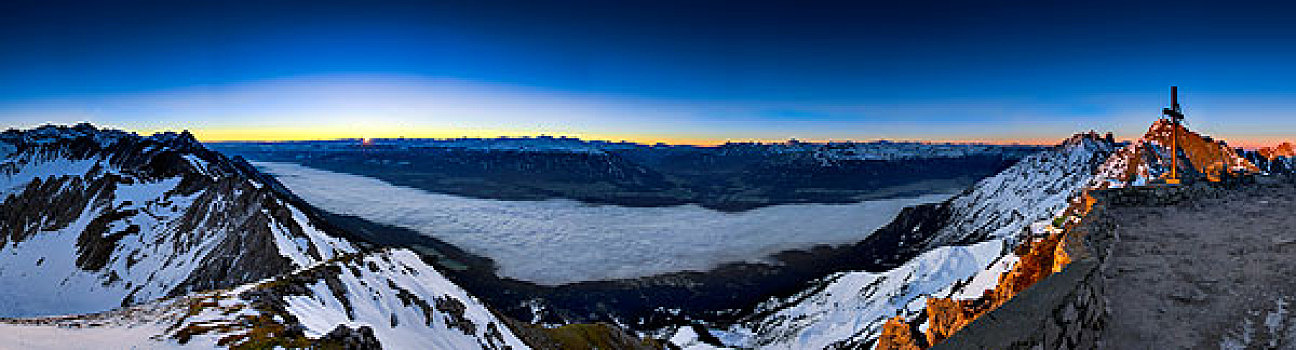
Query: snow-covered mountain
[1036, 188]
[198, 245]
[847, 310]
[100, 219]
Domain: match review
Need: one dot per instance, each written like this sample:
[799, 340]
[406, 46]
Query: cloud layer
[562, 241]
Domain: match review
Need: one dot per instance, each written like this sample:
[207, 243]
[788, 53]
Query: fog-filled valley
[562, 241]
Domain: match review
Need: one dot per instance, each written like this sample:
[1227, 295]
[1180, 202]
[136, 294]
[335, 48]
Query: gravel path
[1214, 272]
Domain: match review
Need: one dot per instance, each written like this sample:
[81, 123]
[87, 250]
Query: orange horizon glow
[352, 106]
[326, 133]
[298, 134]
[288, 135]
[717, 142]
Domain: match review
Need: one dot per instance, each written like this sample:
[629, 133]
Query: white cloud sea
[562, 241]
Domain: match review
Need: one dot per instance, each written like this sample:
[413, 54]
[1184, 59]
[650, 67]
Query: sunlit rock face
[1283, 150]
[1149, 158]
[897, 334]
[946, 316]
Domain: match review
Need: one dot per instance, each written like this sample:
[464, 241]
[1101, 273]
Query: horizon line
[213, 135]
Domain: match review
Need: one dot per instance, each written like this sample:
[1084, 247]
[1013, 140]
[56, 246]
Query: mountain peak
[183, 140]
[1283, 150]
[85, 201]
[1091, 136]
[1149, 158]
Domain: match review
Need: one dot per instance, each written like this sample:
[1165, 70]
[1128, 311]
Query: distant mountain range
[730, 177]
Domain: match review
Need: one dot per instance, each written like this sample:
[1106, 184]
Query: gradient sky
[676, 71]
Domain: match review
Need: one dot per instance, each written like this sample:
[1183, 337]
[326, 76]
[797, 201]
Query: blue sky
[686, 71]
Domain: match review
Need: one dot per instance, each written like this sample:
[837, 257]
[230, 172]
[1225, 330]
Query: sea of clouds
[562, 241]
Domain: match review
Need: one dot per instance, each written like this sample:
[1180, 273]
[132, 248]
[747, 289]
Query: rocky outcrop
[899, 334]
[352, 339]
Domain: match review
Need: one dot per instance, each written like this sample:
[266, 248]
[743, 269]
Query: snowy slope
[390, 296]
[100, 219]
[140, 327]
[405, 303]
[849, 309]
[1036, 188]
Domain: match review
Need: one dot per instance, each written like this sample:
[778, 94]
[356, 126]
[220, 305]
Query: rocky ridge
[200, 249]
[97, 219]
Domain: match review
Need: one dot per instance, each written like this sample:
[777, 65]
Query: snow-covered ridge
[97, 219]
[391, 294]
[407, 303]
[386, 298]
[850, 308]
[1037, 188]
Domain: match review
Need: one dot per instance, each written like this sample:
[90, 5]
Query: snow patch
[373, 297]
[40, 337]
[687, 339]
